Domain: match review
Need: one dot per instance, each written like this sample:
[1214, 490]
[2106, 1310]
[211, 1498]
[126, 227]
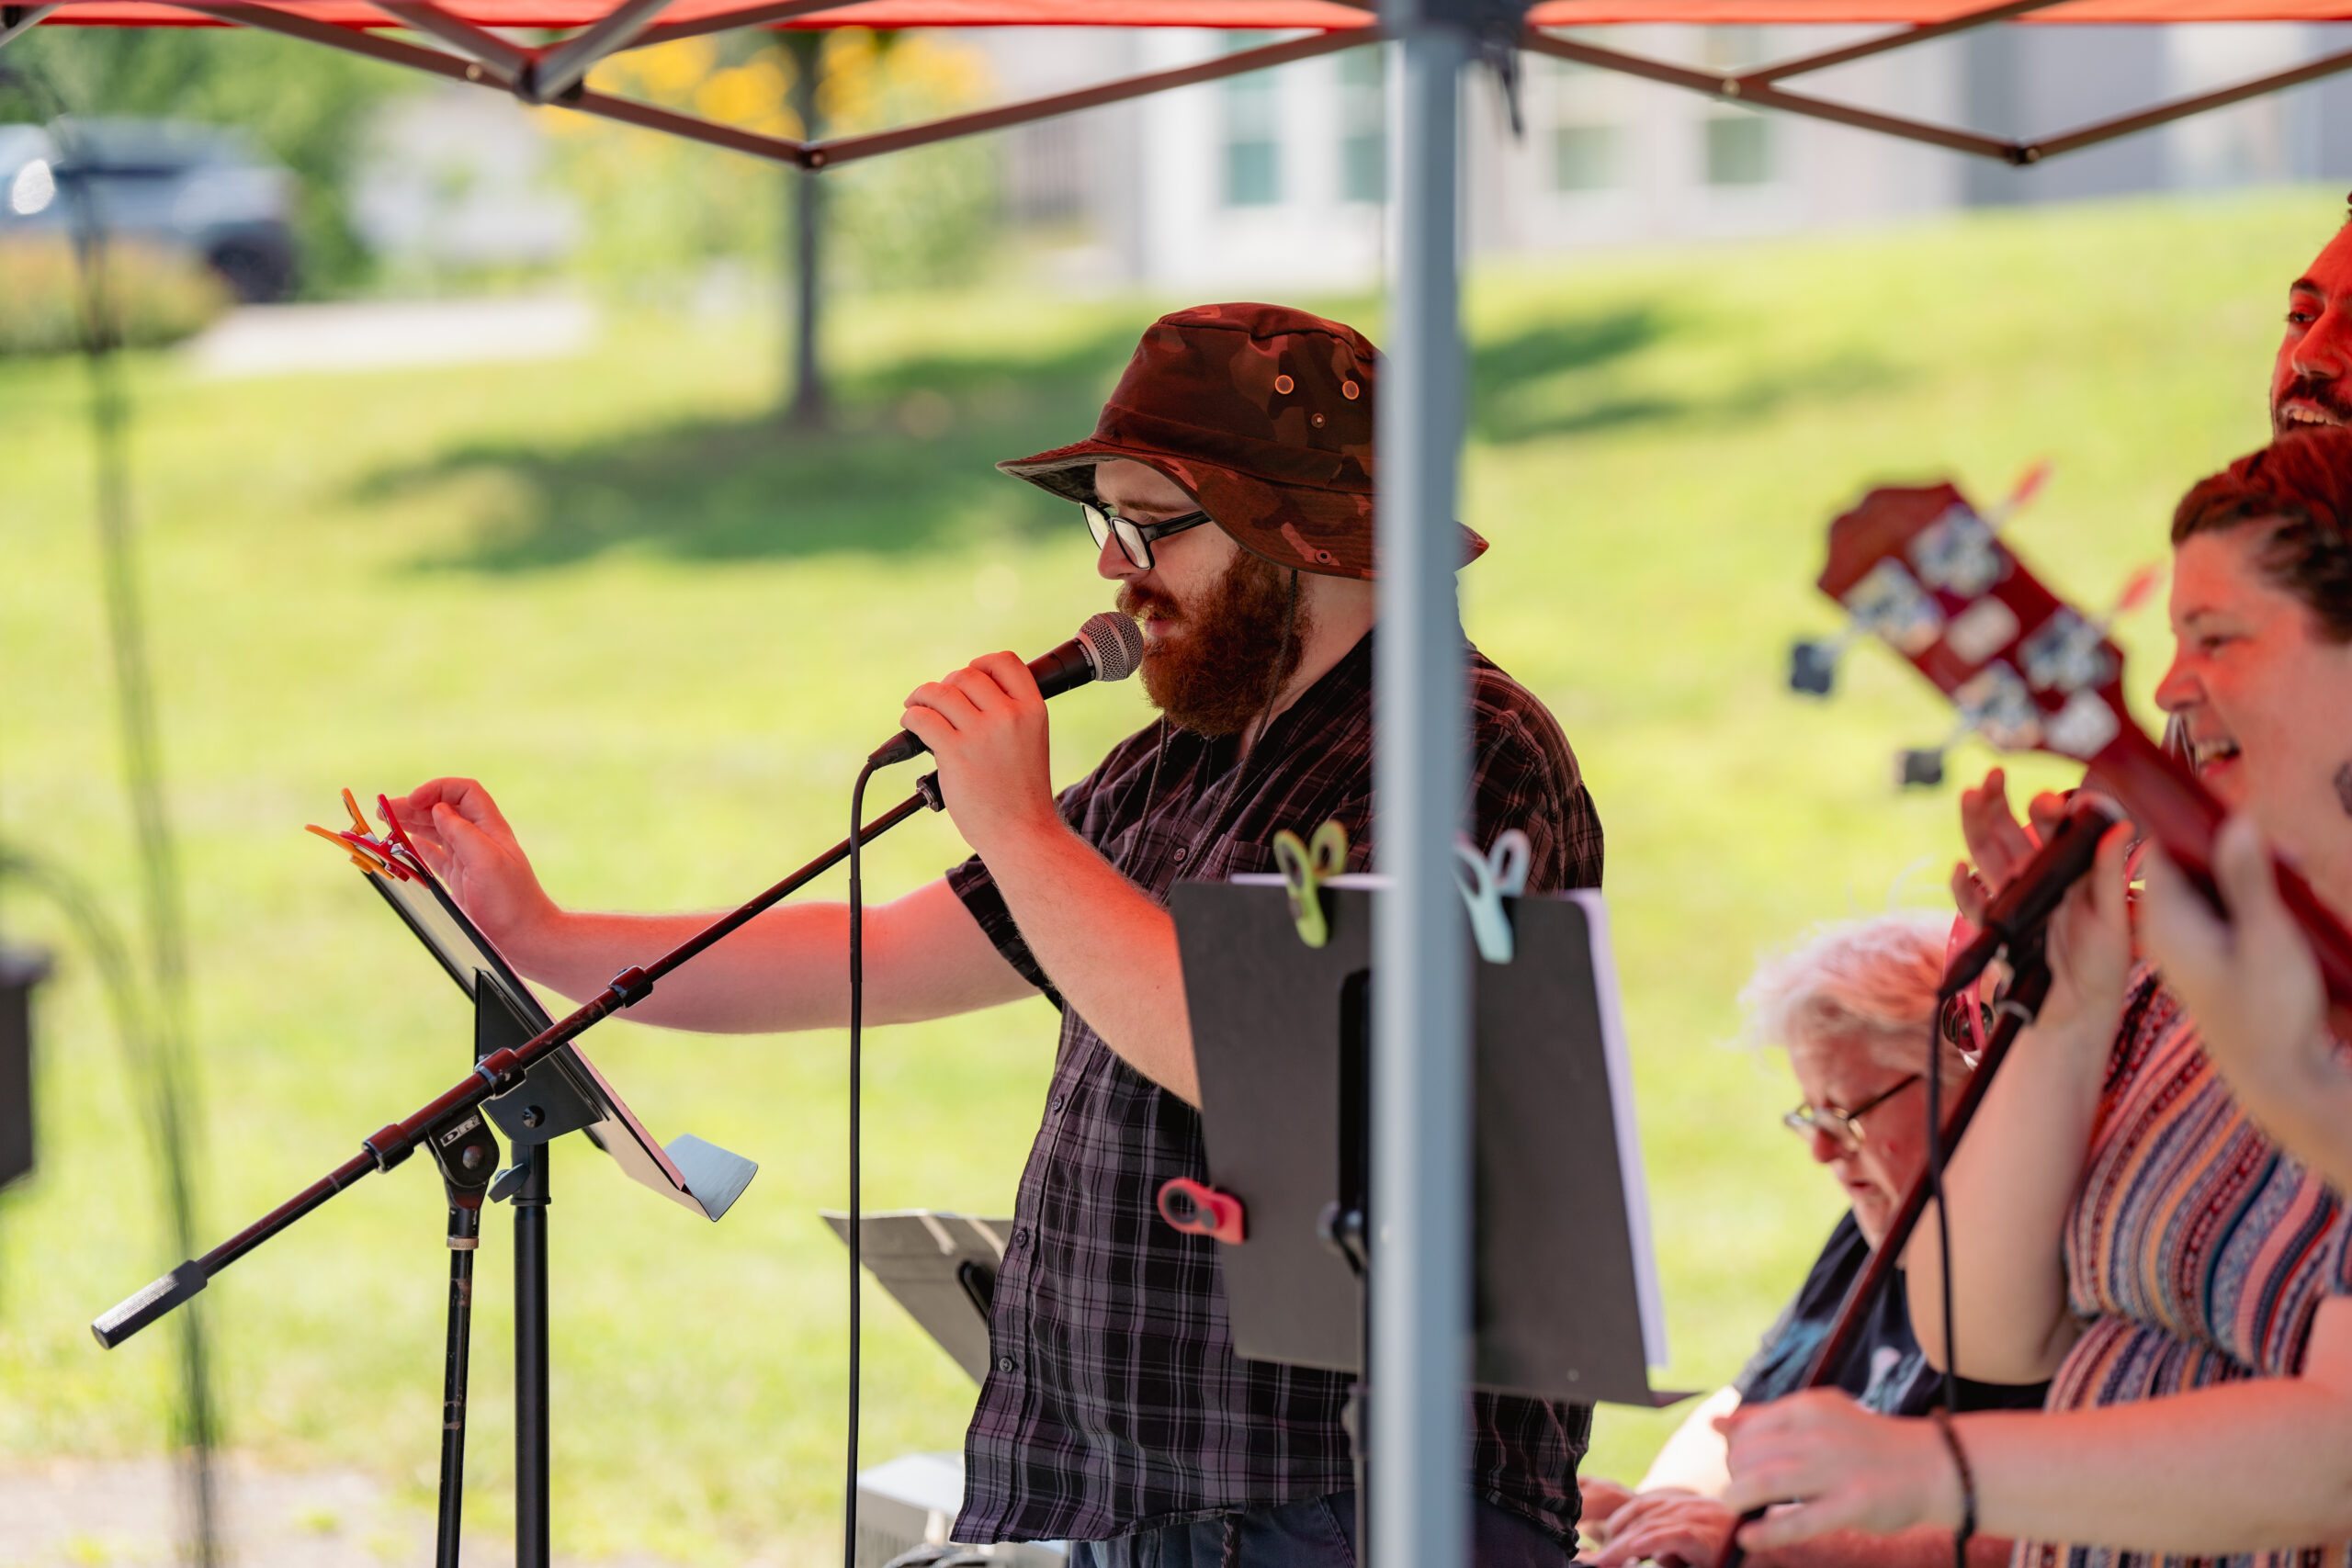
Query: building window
[1739, 148]
[1585, 133]
[1739, 141]
[1364, 140]
[1583, 157]
[1253, 149]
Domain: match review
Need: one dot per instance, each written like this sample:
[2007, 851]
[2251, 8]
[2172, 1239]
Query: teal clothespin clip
[1485, 881]
[1306, 865]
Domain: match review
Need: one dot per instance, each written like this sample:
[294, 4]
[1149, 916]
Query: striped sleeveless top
[2198, 1250]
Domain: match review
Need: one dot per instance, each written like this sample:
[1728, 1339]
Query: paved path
[275, 340]
[84, 1514]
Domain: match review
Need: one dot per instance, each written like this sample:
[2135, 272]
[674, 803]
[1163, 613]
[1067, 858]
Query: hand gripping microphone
[1107, 648]
[2034, 894]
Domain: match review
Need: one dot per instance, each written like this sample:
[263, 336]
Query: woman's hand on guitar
[2089, 941]
[1820, 1462]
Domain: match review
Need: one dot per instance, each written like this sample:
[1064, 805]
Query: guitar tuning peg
[2137, 590]
[2021, 494]
[1813, 666]
[1920, 768]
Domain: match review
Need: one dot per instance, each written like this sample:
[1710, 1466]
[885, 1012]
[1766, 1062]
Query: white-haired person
[1852, 1004]
[2122, 1221]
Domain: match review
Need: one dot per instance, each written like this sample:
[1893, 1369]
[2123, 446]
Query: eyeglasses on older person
[1840, 1127]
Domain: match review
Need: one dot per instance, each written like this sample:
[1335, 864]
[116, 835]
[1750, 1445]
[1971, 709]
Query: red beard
[1233, 652]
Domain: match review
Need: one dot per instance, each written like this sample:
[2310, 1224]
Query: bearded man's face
[1213, 662]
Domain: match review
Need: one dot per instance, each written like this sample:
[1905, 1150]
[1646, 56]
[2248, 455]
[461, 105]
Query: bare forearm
[1923, 1546]
[786, 970]
[2257, 1465]
[1109, 950]
[2009, 1185]
[2241, 1468]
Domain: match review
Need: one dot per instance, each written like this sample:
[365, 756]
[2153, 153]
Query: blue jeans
[1318, 1533]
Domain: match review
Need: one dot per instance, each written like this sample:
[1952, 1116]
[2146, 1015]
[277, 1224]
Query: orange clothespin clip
[369, 853]
[360, 856]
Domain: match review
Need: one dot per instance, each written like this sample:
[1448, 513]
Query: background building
[1275, 178]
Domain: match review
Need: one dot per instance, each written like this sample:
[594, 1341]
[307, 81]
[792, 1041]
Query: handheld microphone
[1107, 648]
[2034, 894]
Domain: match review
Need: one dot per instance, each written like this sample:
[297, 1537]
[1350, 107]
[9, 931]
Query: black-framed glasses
[1843, 1128]
[1135, 539]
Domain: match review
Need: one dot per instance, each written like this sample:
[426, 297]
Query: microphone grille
[1115, 643]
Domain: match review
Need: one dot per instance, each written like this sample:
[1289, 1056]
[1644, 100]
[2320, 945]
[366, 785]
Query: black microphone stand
[2028, 988]
[452, 1126]
[467, 1154]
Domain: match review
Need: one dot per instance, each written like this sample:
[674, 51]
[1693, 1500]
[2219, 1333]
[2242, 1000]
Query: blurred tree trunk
[809, 407]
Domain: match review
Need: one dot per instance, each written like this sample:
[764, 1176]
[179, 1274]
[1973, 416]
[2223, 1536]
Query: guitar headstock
[1923, 570]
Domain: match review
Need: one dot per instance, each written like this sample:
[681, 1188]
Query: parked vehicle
[203, 189]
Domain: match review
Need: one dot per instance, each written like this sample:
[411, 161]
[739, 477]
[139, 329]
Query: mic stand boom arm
[493, 1075]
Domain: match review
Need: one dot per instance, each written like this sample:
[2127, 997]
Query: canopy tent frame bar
[1733, 88]
[556, 77]
[731, 21]
[1239, 63]
[772, 148]
[1765, 75]
[2181, 109]
[567, 64]
[18, 20]
[628, 111]
[1719, 84]
[508, 60]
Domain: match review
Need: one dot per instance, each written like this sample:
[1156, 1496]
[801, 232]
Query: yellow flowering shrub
[660, 209]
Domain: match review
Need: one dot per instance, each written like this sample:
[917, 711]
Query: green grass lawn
[665, 634]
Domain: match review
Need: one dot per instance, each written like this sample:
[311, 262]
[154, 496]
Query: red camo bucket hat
[1261, 413]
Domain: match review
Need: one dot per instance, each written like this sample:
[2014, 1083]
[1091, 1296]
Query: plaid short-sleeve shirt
[1114, 1402]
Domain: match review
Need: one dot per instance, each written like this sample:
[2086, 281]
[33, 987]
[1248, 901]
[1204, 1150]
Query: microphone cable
[856, 1050]
[1935, 1155]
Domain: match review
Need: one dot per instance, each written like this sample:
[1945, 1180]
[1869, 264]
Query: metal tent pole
[1421, 1075]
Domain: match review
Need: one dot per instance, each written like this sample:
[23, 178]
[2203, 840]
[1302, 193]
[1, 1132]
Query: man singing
[1228, 489]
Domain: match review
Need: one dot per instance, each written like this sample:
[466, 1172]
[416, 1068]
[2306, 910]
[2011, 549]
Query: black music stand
[1567, 1303]
[561, 1093]
[942, 1268]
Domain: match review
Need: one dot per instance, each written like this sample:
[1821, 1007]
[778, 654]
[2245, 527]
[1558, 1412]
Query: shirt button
[1005, 1363]
[1057, 1104]
[1021, 1236]
[1180, 853]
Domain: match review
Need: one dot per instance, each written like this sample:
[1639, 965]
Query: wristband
[1960, 1536]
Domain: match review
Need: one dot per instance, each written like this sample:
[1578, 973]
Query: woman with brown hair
[2119, 1222]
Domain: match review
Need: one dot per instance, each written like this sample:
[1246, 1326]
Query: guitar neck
[2167, 803]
